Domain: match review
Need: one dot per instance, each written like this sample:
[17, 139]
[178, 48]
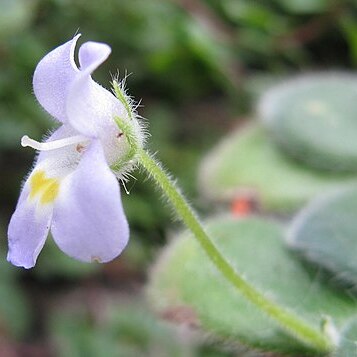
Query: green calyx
[128, 127]
[120, 93]
[133, 145]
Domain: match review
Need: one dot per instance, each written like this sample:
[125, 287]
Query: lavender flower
[72, 189]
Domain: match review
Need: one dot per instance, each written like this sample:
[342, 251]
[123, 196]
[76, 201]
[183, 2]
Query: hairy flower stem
[285, 318]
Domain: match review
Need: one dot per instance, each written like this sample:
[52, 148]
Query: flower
[73, 189]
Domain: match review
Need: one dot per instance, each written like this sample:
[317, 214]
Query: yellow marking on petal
[46, 188]
[36, 183]
[51, 192]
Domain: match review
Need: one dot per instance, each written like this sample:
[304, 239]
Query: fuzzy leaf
[185, 287]
[325, 233]
[313, 118]
[247, 162]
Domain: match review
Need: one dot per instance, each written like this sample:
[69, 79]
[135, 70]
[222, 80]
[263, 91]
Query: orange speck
[241, 206]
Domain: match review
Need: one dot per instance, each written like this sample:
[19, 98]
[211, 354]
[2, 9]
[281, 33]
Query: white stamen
[130, 175]
[52, 145]
[125, 189]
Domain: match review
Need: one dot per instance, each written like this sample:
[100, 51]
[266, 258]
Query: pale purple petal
[92, 54]
[90, 107]
[27, 231]
[52, 77]
[62, 161]
[88, 220]
[62, 132]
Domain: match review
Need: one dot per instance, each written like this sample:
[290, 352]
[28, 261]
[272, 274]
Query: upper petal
[52, 78]
[90, 107]
[92, 54]
[28, 227]
[88, 220]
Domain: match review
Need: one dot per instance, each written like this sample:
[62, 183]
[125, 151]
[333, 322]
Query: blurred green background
[198, 67]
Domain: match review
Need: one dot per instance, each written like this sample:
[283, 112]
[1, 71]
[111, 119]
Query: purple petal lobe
[93, 54]
[90, 107]
[52, 77]
[27, 231]
[88, 219]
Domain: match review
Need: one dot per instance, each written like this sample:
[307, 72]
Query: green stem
[285, 318]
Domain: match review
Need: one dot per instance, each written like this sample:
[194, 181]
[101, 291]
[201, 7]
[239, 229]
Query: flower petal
[27, 230]
[52, 77]
[92, 54]
[90, 107]
[60, 162]
[88, 220]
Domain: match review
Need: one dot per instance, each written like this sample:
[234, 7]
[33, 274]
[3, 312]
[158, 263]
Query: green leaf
[15, 16]
[348, 26]
[247, 162]
[184, 280]
[325, 233]
[314, 119]
[253, 15]
[304, 6]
